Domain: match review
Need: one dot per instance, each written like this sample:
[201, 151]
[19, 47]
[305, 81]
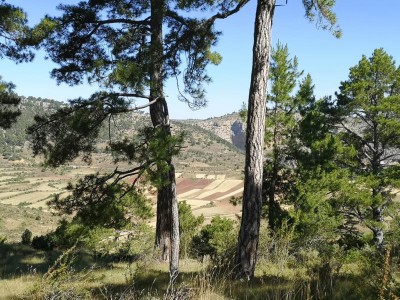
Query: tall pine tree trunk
[246, 255]
[167, 228]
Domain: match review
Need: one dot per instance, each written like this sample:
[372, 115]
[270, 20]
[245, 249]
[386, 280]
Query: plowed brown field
[210, 197]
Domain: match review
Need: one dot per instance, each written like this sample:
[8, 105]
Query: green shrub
[188, 227]
[103, 206]
[68, 233]
[96, 219]
[131, 241]
[43, 242]
[215, 239]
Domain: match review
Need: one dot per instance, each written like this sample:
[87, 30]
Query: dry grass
[14, 220]
[148, 278]
[16, 287]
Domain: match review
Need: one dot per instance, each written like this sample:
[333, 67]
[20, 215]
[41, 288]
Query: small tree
[26, 237]
[215, 240]
[321, 177]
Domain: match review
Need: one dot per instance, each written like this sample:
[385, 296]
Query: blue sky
[366, 25]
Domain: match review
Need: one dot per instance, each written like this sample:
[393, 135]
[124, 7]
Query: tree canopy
[13, 31]
[109, 43]
[8, 104]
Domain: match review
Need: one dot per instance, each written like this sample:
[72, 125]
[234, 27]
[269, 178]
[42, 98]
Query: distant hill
[212, 146]
[229, 127]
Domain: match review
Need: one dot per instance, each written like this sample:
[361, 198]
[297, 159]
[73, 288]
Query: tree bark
[167, 225]
[246, 255]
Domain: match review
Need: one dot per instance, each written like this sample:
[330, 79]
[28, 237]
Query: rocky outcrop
[229, 127]
[238, 134]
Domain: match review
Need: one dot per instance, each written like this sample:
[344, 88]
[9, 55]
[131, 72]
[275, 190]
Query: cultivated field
[210, 197]
[26, 187]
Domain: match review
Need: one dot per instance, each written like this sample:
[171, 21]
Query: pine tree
[130, 48]
[320, 10]
[368, 106]
[320, 177]
[280, 130]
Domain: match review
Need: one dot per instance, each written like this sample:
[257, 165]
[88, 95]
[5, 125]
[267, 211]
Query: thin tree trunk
[272, 204]
[175, 237]
[167, 227]
[378, 230]
[246, 255]
[377, 210]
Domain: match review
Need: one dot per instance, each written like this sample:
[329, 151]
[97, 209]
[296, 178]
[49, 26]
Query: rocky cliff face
[238, 134]
[229, 127]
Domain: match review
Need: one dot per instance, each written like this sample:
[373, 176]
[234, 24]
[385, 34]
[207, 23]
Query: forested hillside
[13, 140]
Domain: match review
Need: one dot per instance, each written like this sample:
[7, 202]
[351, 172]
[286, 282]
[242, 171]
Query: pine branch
[121, 21]
[228, 13]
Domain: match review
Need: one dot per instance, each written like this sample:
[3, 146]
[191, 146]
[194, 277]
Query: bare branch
[145, 105]
[357, 136]
[132, 95]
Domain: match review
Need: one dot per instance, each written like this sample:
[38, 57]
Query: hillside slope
[207, 149]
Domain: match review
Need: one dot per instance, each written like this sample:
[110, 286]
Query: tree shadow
[151, 283]
[274, 287]
[19, 260]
